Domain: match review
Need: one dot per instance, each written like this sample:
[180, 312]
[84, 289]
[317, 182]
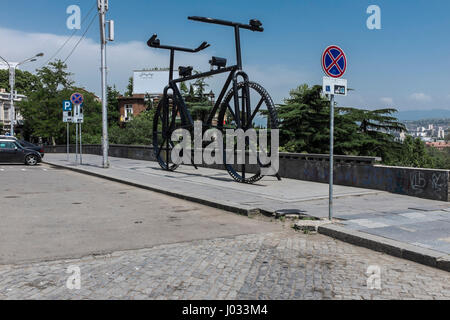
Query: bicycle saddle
[185, 71]
[218, 62]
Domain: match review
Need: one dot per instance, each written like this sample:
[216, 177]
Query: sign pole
[331, 156]
[77, 100]
[76, 143]
[81, 147]
[334, 64]
[68, 142]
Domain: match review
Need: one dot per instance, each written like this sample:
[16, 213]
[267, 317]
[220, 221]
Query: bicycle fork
[241, 120]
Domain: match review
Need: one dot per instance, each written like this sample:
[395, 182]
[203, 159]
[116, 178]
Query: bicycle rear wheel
[260, 114]
[165, 122]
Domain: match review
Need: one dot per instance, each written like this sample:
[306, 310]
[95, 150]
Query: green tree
[184, 89]
[42, 110]
[26, 82]
[191, 93]
[305, 124]
[196, 101]
[375, 128]
[200, 86]
[138, 131]
[412, 153]
[130, 88]
[441, 158]
[113, 106]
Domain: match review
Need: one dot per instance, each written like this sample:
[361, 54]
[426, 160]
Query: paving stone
[281, 265]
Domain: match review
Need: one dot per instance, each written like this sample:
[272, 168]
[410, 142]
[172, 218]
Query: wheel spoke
[231, 111]
[256, 111]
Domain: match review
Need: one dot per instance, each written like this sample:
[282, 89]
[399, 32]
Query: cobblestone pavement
[280, 265]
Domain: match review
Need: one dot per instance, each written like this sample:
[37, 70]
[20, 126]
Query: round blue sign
[334, 62]
[77, 98]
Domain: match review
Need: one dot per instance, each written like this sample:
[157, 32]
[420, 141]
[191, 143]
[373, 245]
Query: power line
[71, 36]
[82, 38]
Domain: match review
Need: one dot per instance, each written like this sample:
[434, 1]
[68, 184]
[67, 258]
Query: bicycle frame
[234, 71]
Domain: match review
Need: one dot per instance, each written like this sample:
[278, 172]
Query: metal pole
[12, 112]
[105, 142]
[331, 155]
[68, 143]
[81, 146]
[76, 143]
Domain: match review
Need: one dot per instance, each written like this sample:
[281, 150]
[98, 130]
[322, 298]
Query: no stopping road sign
[334, 62]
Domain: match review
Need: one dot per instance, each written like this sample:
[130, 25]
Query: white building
[151, 81]
[441, 133]
[5, 106]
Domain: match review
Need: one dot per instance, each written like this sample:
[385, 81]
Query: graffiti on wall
[418, 181]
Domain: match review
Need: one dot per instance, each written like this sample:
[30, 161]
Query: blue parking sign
[67, 105]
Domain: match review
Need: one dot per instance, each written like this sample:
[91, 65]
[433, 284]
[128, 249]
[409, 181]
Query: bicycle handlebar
[255, 25]
[154, 42]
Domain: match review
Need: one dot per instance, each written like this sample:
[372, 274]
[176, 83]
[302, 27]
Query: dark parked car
[25, 144]
[29, 145]
[13, 152]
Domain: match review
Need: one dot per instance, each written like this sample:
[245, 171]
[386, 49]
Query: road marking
[413, 215]
[407, 229]
[369, 223]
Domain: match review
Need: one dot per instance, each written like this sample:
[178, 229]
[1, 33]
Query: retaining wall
[349, 171]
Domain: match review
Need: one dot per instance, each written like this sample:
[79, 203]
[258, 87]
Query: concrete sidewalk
[403, 226]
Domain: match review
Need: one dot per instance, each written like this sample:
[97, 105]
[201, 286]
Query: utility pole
[102, 9]
[12, 81]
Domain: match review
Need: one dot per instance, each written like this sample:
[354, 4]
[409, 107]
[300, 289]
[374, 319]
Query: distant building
[441, 145]
[441, 133]
[132, 106]
[5, 107]
[148, 88]
[402, 136]
[152, 81]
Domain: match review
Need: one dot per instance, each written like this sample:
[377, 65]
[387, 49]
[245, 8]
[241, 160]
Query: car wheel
[31, 160]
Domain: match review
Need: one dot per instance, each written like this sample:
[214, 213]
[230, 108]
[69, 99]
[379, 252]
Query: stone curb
[241, 210]
[392, 247]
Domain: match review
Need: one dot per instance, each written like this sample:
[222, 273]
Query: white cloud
[124, 57]
[387, 101]
[420, 97]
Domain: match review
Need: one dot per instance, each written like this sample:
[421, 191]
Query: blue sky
[405, 64]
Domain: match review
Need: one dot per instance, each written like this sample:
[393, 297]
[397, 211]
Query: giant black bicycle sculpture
[234, 107]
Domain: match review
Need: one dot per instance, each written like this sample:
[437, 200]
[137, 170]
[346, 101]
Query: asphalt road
[129, 243]
[49, 214]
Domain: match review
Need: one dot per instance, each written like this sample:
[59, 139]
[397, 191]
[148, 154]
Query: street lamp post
[12, 81]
